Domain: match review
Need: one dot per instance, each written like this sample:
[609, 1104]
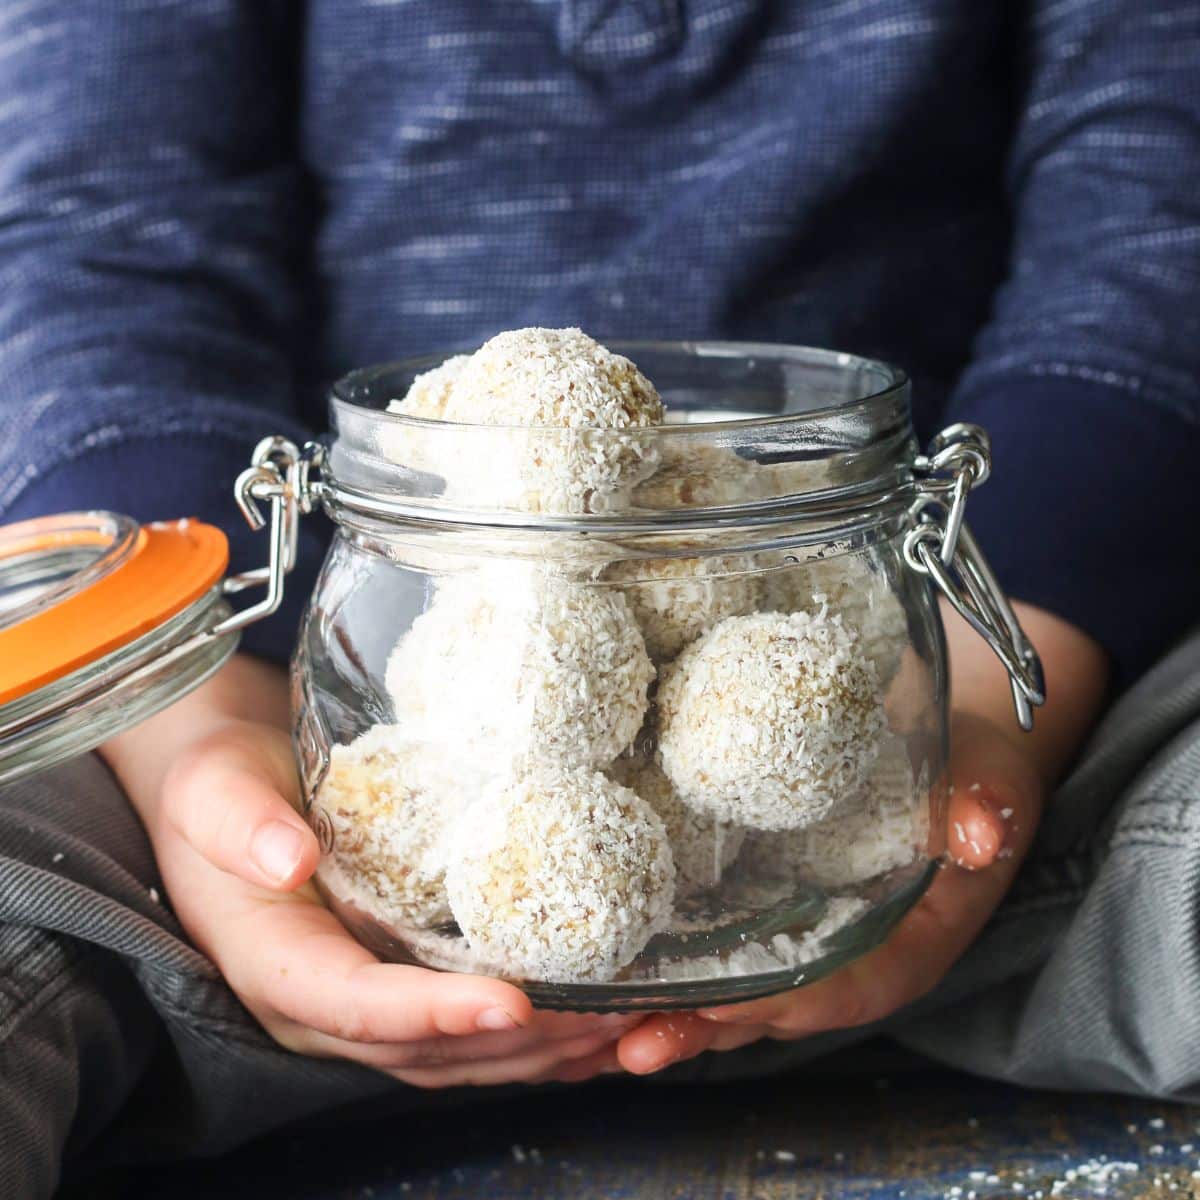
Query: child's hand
[214, 782]
[999, 778]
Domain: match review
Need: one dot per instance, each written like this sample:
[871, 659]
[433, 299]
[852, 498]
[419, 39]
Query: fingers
[590, 1066]
[995, 797]
[296, 959]
[663, 1039]
[537, 1065]
[570, 1037]
[228, 798]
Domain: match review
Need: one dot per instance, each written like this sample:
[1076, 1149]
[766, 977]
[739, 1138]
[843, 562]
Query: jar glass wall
[672, 739]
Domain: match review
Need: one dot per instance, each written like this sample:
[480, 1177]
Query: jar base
[819, 933]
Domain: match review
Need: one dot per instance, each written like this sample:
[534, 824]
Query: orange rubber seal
[172, 565]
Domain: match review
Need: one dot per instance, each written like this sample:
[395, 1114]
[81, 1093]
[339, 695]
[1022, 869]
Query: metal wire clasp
[282, 475]
[940, 545]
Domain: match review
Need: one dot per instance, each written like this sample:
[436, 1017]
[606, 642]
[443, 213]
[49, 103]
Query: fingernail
[276, 849]
[496, 1020]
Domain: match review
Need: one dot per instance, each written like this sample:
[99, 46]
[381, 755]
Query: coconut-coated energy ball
[883, 827]
[571, 408]
[518, 663]
[560, 876]
[863, 597]
[675, 600]
[770, 720]
[701, 847]
[388, 802]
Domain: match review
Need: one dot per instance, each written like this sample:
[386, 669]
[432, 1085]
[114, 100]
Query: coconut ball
[388, 802]
[675, 600]
[862, 596]
[521, 663]
[701, 847]
[560, 876]
[882, 828]
[571, 397]
[770, 720]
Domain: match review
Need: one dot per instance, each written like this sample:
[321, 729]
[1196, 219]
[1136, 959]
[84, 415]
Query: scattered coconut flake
[783, 951]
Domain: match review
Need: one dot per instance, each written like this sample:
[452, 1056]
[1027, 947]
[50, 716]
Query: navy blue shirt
[211, 208]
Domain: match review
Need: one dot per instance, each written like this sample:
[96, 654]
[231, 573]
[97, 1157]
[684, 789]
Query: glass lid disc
[76, 587]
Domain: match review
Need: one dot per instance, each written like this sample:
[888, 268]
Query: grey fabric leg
[109, 1020]
[1116, 1003]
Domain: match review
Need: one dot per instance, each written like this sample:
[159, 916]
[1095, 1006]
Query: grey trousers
[119, 1043]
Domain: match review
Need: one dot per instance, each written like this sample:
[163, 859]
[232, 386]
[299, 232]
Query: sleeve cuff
[1090, 509]
[184, 475]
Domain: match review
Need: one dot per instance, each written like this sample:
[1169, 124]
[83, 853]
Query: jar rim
[815, 428]
[895, 385]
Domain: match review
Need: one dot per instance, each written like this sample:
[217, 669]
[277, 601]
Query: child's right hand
[214, 782]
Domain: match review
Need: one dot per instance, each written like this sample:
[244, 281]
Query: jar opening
[749, 426]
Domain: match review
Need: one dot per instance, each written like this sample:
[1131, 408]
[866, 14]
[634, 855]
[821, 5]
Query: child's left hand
[1000, 777]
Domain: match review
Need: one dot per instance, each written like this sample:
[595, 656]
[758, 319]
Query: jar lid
[102, 623]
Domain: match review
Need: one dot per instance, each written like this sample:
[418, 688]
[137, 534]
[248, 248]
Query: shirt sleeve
[150, 218]
[1088, 373]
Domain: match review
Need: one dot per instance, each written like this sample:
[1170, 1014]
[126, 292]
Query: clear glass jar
[675, 737]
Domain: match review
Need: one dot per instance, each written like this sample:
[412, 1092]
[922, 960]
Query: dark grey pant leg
[118, 1041]
[1111, 904]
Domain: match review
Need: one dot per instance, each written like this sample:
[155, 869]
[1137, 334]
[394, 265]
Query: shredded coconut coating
[552, 378]
[884, 827]
[563, 400]
[770, 720]
[692, 475]
[675, 600]
[562, 876]
[522, 664]
[389, 802]
[701, 847]
[429, 394]
[861, 595]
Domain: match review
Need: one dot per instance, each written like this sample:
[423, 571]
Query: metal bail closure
[279, 474]
[941, 546]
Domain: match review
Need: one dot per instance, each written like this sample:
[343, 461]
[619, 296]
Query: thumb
[231, 798]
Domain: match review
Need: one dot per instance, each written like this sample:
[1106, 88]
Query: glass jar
[672, 736]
